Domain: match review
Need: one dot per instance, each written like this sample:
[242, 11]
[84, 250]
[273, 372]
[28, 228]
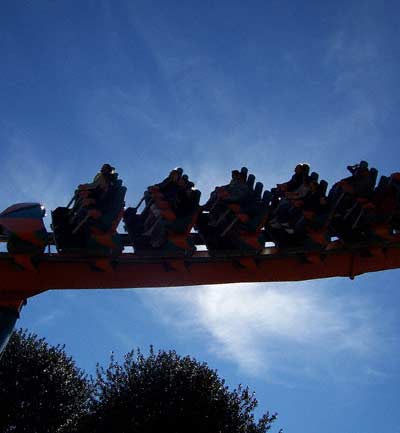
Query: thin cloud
[30, 179]
[56, 315]
[270, 332]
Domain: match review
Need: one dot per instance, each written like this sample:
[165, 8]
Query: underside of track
[21, 279]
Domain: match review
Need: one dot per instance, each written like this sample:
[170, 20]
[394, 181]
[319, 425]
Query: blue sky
[211, 86]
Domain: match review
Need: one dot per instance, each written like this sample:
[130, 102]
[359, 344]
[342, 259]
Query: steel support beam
[56, 271]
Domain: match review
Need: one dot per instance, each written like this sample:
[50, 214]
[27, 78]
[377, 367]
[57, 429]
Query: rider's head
[107, 169]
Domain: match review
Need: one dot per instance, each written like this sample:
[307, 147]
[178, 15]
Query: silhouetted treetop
[164, 392]
[40, 386]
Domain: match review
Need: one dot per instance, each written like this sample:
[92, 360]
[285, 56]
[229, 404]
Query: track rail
[126, 242]
[59, 271]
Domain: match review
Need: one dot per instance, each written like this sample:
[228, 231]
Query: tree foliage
[42, 391]
[40, 386]
[164, 392]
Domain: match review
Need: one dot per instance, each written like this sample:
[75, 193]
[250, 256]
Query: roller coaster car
[349, 206]
[308, 232]
[308, 226]
[367, 219]
[23, 228]
[354, 224]
[91, 229]
[238, 228]
[379, 217]
[170, 231]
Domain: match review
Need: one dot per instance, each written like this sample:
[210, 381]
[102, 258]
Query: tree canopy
[164, 392]
[40, 386]
[42, 391]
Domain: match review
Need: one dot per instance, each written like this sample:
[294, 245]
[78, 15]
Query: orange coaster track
[55, 271]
